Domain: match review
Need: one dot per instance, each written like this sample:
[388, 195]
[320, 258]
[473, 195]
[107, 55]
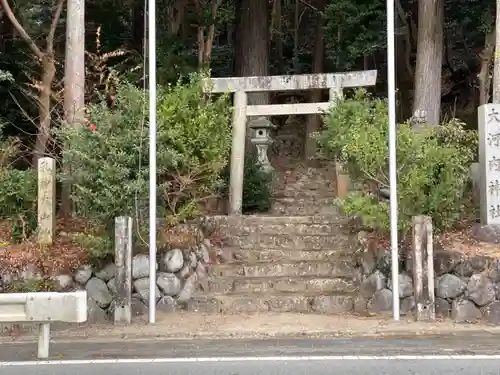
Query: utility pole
[74, 78]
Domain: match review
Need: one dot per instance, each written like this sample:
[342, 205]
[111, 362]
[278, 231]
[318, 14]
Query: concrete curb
[82, 337]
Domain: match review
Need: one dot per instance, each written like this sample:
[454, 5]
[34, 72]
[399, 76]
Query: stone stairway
[295, 259]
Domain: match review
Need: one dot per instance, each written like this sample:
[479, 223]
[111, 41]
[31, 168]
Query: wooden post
[43, 340]
[238, 153]
[123, 272]
[430, 268]
[475, 178]
[46, 200]
[423, 261]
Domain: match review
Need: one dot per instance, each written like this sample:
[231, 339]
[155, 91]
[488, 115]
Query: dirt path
[195, 325]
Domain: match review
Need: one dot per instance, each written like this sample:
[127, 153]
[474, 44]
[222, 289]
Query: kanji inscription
[489, 159]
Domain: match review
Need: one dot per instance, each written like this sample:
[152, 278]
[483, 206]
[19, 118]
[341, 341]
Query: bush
[98, 247]
[433, 165]
[18, 192]
[32, 285]
[257, 187]
[109, 158]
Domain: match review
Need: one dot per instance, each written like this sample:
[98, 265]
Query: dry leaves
[63, 256]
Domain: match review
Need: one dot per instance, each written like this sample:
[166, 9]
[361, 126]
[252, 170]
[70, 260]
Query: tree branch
[197, 5]
[19, 28]
[53, 27]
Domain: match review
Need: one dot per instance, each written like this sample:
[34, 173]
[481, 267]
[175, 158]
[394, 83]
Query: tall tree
[429, 59]
[252, 42]
[74, 76]
[45, 56]
[496, 72]
[314, 121]
[206, 33]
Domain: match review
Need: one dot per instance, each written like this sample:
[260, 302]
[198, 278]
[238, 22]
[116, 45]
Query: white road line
[248, 359]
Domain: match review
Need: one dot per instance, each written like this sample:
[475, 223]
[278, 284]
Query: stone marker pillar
[46, 200]
[489, 163]
[488, 173]
[123, 271]
[238, 153]
[423, 268]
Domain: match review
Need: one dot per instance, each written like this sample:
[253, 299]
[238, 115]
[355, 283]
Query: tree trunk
[296, 38]
[496, 72]
[43, 136]
[74, 81]
[252, 43]
[484, 74]
[206, 34]
[314, 121]
[276, 32]
[429, 60]
[138, 25]
[46, 59]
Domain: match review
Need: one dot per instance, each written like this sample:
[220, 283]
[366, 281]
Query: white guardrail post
[43, 309]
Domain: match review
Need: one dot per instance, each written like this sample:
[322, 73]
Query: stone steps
[259, 303]
[339, 268]
[287, 255]
[297, 258]
[290, 229]
[299, 285]
[300, 242]
[303, 206]
[322, 232]
[312, 194]
[266, 220]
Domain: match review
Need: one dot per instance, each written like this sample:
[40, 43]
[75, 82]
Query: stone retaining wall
[180, 273]
[467, 288]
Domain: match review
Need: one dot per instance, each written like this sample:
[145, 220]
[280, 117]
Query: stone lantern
[262, 140]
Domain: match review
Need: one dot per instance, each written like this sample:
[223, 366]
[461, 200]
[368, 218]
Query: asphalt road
[457, 355]
[272, 367]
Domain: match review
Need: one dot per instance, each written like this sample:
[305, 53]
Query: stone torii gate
[240, 86]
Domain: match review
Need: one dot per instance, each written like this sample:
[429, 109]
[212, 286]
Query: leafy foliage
[97, 246]
[32, 285]
[257, 186]
[109, 159]
[359, 24]
[433, 166]
[18, 192]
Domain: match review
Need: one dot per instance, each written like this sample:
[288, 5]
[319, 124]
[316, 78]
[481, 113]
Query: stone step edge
[348, 251]
[243, 263]
[281, 278]
[279, 220]
[267, 296]
[304, 198]
[246, 234]
[281, 263]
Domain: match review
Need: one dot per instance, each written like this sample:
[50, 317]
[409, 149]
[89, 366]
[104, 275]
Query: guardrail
[43, 309]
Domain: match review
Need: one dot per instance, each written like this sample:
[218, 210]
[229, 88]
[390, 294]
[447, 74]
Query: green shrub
[18, 192]
[32, 285]
[97, 246]
[433, 165]
[109, 160]
[257, 187]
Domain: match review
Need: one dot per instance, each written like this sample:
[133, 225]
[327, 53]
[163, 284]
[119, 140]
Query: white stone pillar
[238, 153]
[46, 200]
